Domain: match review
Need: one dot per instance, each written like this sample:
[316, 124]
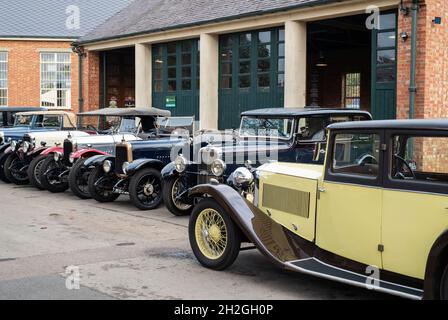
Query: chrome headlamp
[180, 164]
[218, 167]
[242, 177]
[107, 166]
[57, 156]
[26, 146]
[125, 167]
[13, 144]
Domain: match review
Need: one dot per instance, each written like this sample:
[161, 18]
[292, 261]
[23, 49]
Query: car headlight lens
[13, 144]
[242, 177]
[218, 167]
[57, 156]
[180, 164]
[125, 167]
[26, 146]
[107, 166]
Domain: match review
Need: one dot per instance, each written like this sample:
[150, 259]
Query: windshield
[170, 124]
[266, 127]
[313, 128]
[23, 120]
[106, 123]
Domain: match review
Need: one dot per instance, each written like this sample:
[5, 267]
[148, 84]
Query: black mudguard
[140, 164]
[267, 235]
[169, 171]
[98, 160]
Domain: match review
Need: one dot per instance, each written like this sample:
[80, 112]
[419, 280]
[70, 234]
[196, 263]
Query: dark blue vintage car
[265, 135]
[135, 168]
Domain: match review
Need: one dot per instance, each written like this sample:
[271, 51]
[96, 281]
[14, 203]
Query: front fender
[87, 153]
[169, 171]
[51, 150]
[142, 164]
[98, 160]
[267, 235]
[38, 151]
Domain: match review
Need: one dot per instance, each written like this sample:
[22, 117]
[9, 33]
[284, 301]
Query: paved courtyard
[123, 253]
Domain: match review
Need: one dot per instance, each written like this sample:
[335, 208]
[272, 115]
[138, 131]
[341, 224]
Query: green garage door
[384, 68]
[176, 77]
[252, 73]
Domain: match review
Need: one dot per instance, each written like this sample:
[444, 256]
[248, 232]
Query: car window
[420, 158]
[266, 127]
[23, 121]
[51, 121]
[356, 154]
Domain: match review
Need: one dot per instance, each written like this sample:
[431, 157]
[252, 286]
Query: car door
[415, 201]
[350, 201]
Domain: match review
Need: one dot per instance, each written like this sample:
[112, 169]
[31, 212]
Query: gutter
[224, 19]
[81, 55]
[412, 83]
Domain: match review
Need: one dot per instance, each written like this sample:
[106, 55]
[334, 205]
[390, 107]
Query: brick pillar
[91, 81]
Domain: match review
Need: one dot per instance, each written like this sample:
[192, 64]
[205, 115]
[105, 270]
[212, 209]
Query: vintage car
[21, 153]
[63, 167]
[113, 176]
[7, 115]
[282, 134]
[31, 122]
[373, 215]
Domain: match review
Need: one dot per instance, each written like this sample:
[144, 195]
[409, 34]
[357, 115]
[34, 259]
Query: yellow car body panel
[349, 222]
[412, 222]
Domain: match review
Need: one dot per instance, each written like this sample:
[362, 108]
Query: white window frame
[6, 62]
[55, 62]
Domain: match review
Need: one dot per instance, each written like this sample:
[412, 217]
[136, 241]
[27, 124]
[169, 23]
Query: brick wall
[432, 62]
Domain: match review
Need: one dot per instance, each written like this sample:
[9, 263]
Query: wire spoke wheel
[16, 169]
[211, 233]
[177, 189]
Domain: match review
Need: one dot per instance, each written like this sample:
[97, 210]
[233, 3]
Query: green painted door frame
[384, 68]
[251, 73]
[175, 84]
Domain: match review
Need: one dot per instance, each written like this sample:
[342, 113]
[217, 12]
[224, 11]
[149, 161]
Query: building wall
[24, 70]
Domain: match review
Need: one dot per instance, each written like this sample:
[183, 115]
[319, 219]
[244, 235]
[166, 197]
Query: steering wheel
[367, 159]
[90, 127]
[407, 165]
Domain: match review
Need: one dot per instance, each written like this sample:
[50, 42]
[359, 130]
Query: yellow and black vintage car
[374, 215]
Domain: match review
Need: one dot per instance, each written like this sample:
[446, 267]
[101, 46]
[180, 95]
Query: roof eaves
[229, 18]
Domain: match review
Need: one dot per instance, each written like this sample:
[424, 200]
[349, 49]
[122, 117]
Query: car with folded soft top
[275, 134]
[63, 167]
[49, 123]
[373, 215]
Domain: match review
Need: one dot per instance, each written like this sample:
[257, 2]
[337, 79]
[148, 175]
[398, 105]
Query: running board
[320, 269]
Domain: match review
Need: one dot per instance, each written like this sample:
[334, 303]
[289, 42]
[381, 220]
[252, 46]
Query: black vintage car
[265, 135]
[135, 168]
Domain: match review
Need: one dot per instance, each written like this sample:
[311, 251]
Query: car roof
[21, 109]
[307, 111]
[69, 117]
[128, 112]
[414, 124]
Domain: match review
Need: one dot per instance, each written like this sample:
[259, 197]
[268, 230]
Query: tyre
[171, 188]
[3, 158]
[50, 172]
[444, 285]
[145, 189]
[14, 170]
[78, 180]
[214, 237]
[34, 171]
[101, 186]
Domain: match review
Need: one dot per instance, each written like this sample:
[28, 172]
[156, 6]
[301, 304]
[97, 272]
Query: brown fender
[266, 234]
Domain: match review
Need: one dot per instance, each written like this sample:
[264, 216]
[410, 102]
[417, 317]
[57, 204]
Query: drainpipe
[81, 54]
[412, 84]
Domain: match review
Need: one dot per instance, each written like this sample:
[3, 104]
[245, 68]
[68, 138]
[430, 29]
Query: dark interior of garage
[339, 63]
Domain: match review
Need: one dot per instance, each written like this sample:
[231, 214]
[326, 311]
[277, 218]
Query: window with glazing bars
[55, 80]
[3, 78]
[352, 90]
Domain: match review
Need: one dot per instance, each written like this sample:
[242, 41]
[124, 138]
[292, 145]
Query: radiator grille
[121, 156]
[68, 149]
[286, 200]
